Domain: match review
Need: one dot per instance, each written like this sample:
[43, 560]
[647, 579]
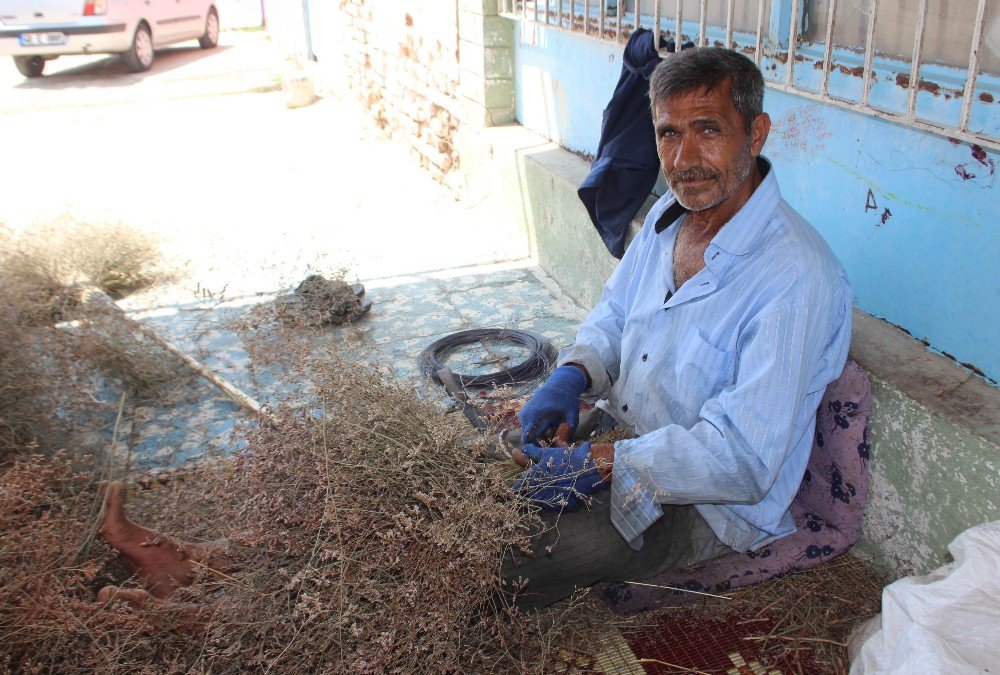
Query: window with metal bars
[930, 64]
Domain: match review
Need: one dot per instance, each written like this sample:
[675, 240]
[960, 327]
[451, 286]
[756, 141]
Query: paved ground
[247, 197]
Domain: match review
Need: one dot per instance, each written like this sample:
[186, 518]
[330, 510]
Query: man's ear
[759, 130]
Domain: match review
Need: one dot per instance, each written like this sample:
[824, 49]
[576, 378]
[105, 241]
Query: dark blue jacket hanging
[625, 168]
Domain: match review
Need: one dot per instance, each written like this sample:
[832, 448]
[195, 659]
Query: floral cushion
[827, 509]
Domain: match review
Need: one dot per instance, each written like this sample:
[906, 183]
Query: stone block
[491, 62]
[488, 31]
[484, 7]
[489, 92]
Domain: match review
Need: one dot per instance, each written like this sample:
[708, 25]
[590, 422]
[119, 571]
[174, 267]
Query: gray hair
[706, 69]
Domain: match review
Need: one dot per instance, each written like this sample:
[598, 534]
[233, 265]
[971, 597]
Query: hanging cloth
[625, 168]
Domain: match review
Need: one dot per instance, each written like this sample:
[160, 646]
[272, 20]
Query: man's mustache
[694, 173]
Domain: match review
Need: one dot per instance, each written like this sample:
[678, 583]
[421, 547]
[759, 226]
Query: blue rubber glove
[558, 476]
[555, 402]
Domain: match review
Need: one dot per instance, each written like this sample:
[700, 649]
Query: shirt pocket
[702, 370]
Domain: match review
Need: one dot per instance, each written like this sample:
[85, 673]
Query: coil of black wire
[543, 355]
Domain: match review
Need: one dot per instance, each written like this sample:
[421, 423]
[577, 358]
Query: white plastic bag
[946, 622]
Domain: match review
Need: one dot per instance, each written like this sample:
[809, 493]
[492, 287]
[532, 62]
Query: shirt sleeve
[598, 342]
[745, 434]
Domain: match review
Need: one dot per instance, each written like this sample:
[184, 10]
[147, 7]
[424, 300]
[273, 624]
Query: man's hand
[561, 473]
[555, 402]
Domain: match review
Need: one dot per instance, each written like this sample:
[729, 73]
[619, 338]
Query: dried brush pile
[367, 534]
[798, 623]
[47, 573]
[812, 613]
[371, 538]
[51, 342]
[112, 256]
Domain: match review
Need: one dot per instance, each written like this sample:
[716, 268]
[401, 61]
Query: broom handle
[224, 385]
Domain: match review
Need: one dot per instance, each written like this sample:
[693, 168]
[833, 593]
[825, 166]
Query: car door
[184, 19]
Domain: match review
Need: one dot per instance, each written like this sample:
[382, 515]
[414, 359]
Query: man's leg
[580, 548]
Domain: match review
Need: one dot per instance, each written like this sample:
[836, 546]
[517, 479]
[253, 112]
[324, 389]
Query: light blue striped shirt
[721, 378]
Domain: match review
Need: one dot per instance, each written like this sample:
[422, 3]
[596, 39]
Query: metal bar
[680, 25]
[760, 31]
[545, 16]
[586, 17]
[638, 15]
[793, 33]
[918, 45]
[702, 23]
[656, 24]
[991, 142]
[618, 23]
[600, 21]
[828, 51]
[729, 23]
[866, 81]
[970, 80]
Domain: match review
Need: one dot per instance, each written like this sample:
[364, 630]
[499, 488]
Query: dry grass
[53, 347]
[804, 619]
[368, 531]
[112, 256]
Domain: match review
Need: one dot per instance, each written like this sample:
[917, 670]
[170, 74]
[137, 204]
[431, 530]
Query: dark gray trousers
[580, 548]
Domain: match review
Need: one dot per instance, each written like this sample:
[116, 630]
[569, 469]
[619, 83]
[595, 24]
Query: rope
[543, 355]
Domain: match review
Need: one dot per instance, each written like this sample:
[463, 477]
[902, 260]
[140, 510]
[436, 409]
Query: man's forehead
[704, 101]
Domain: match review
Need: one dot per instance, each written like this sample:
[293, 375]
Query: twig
[794, 639]
[677, 588]
[672, 665]
[111, 453]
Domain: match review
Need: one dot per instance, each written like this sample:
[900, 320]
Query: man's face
[704, 148]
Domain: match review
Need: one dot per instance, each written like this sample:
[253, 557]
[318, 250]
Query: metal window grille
[885, 86]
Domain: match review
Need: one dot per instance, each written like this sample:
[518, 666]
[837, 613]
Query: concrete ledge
[934, 449]
[931, 380]
[934, 426]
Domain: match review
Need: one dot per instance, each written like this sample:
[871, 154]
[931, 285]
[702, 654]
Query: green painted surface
[568, 246]
[929, 480]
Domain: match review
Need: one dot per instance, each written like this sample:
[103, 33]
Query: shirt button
[645, 356]
[625, 408]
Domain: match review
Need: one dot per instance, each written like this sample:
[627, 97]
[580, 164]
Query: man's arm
[597, 350]
[736, 451]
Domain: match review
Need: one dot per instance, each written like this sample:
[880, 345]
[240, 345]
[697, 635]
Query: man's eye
[711, 131]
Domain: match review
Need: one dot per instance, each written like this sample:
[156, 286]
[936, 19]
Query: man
[714, 341]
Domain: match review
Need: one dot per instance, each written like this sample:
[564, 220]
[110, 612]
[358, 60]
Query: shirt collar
[738, 236]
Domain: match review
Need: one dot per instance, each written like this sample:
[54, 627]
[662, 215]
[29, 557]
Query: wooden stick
[224, 385]
[228, 388]
[677, 588]
[756, 638]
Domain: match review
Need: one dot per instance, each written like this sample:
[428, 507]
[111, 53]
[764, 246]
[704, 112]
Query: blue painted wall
[913, 216]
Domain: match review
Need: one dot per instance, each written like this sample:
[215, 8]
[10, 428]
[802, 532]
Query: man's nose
[686, 153]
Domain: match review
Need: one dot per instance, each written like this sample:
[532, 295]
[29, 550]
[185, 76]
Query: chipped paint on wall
[801, 129]
[928, 481]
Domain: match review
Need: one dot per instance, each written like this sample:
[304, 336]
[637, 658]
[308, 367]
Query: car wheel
[211, 35]
[139, 57]
[30, 66]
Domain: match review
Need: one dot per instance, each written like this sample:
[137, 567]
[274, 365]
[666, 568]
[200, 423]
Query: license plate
[42, 39]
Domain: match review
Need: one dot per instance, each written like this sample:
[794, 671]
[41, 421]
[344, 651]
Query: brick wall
[424, 68]
[401, 60]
